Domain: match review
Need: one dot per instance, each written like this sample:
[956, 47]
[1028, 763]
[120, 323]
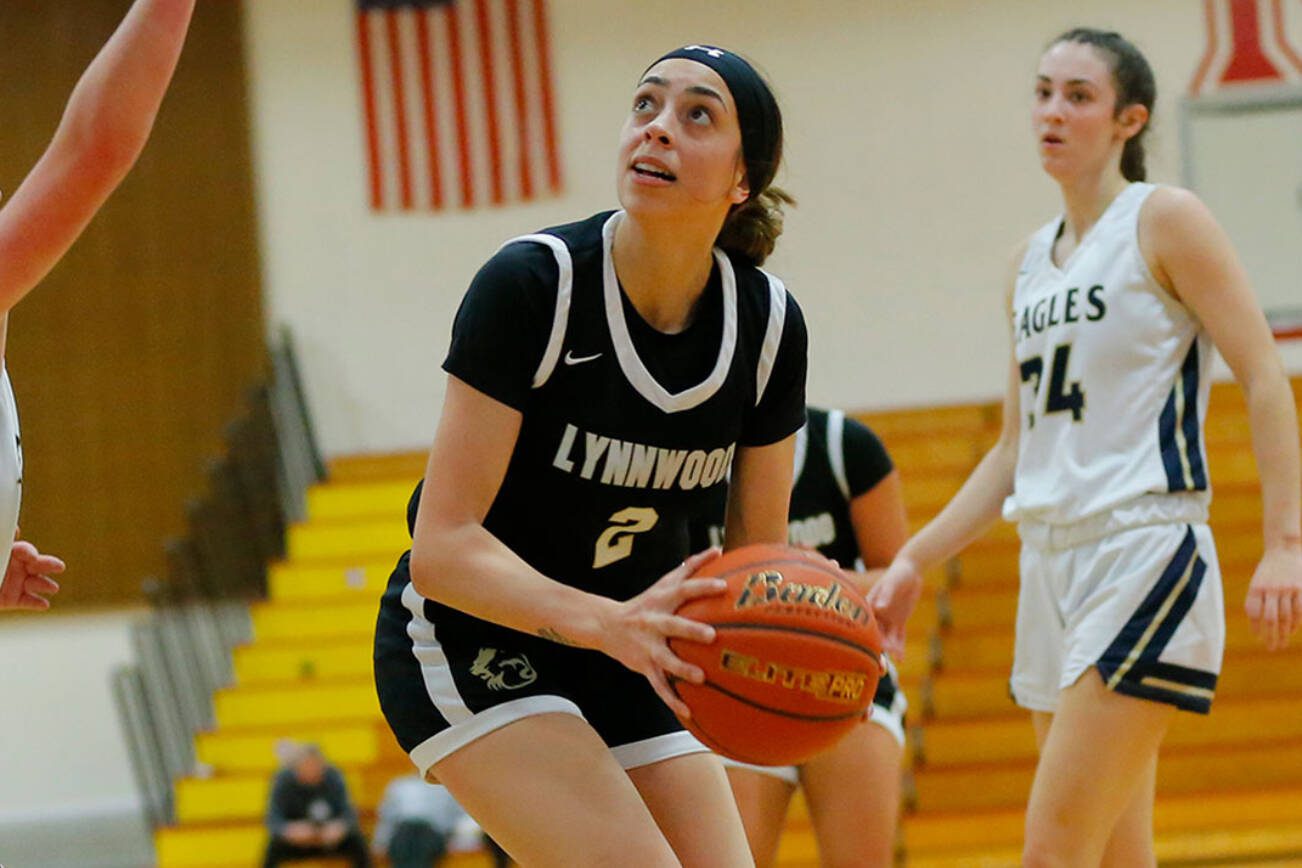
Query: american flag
[457, 102]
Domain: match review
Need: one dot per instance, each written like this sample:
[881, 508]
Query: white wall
[65, 775]
[908, 146]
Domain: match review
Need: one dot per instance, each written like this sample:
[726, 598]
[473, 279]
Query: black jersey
[837, 459]
[625, 430]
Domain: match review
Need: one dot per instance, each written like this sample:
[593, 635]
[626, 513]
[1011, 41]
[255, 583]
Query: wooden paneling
[132, 355]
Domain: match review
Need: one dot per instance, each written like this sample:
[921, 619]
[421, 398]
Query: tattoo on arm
[558, 637]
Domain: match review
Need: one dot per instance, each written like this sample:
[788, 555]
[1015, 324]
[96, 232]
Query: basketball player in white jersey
[1114, 308]
[103, 130]
[603, 377]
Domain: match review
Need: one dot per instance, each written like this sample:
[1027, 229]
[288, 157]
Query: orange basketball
[795, 661]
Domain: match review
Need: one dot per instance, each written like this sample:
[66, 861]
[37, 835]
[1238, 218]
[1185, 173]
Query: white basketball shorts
[1143, 605]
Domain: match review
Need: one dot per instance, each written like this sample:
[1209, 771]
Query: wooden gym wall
[138, 347]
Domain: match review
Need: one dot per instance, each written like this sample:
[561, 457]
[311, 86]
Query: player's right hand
[638, 631]
[893, 598]
[27, 583]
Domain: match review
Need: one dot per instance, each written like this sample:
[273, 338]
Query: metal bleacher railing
[199, 610]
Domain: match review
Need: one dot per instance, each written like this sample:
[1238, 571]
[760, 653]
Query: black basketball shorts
[445, 678]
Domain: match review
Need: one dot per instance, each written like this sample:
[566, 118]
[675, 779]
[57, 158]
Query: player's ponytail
[751, 231]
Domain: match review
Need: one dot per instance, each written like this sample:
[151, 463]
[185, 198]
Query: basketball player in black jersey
[848, 505]
[604, 377]
[102, 132]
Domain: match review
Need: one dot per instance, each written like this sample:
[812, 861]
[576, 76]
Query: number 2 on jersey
[1061, 395]
[616, 541]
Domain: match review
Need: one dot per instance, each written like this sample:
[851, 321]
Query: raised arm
[1193, 257]
[103, 130]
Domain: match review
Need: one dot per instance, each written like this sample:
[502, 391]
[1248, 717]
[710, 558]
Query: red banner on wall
[1249, 42]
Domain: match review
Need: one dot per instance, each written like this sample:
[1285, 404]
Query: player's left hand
[1274, 601]
[27, 583]
[893, 598]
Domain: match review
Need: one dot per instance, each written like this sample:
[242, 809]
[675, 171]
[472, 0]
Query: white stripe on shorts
[434, 667]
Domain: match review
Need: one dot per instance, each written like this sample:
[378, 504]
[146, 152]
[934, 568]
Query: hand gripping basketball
[795, 660]
[638, 632]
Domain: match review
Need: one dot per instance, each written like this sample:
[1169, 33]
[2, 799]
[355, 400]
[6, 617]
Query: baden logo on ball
[795, 660]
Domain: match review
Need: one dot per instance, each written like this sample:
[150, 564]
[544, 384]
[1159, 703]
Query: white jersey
[11, 466]
[1114, 376]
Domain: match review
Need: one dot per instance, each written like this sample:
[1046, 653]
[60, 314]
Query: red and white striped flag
[457, 102]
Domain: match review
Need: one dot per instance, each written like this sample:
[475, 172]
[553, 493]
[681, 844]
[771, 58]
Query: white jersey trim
[772, 335]
[634, 371]
[836, 450]
[802, 449]
[564, 291]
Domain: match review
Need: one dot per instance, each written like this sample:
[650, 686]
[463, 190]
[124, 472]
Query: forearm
[467, 568]
[743, 528]
[969, 514]
[112, 108]
[1273, 418]
[759, 495]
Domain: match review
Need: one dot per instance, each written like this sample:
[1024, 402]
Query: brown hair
[752, 228]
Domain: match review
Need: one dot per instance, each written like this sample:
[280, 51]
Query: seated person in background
[309, 814]
[419, 822]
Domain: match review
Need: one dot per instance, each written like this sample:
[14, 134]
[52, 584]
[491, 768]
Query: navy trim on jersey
[1193, 446]
[1178, 430]
[1130, 664]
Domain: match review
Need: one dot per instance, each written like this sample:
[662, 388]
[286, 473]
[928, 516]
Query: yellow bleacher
[1230, 785]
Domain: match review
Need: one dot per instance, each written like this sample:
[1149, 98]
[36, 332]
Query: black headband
[757, 110]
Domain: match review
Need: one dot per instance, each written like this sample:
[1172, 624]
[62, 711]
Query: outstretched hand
[893, 598]
[27, 583]
[1274, 601]
[638, 634]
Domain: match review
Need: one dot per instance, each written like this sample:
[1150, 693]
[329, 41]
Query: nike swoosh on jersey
[571, 359]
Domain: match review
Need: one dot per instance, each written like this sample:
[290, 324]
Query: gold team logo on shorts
[831, 686]
[507, 673]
